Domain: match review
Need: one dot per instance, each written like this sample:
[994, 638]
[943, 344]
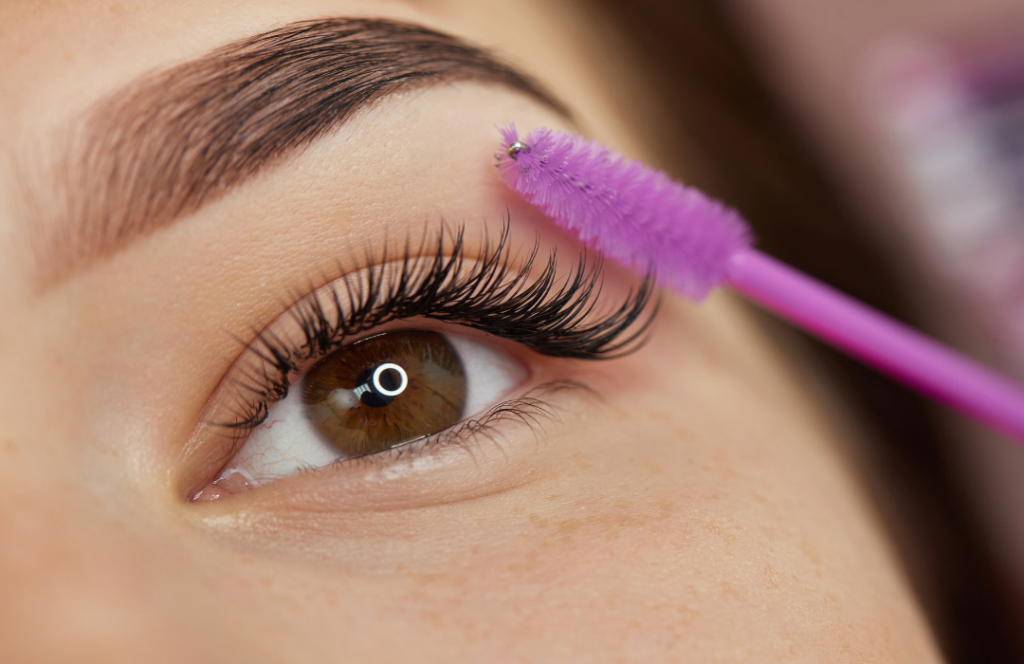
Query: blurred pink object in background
[918, 108]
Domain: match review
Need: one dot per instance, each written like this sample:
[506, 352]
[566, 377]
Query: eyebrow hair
[173, 141]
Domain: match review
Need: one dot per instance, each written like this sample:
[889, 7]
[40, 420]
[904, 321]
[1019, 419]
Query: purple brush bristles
[642, 219]
[634, 214]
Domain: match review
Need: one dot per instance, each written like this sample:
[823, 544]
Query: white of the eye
[490, 373]
[287, 442]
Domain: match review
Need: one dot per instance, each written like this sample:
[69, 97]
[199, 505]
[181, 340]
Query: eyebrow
[170, 142]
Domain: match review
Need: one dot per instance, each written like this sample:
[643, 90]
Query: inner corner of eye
[369, 396]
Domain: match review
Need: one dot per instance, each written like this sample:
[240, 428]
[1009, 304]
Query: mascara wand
[641, 217]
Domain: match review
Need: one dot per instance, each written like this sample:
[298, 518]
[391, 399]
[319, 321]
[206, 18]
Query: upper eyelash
[490, 295]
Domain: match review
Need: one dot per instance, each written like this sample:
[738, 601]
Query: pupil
[390, 380]
[385, 377]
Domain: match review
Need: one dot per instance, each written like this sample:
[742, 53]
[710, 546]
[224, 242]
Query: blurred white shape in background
[956, 123]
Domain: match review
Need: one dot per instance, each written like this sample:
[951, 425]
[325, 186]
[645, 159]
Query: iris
[385, 390]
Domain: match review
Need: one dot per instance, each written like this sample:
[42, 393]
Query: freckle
[760, 498]
[810, 552]
[665, 508]
[730, 590]
[621, 415]
[427, 579]
[417, 594]
[581, 460]
[553, 496]
[612, 533]
[687, 615]
[684, 434]
[538, 521]
[569, 526]
[654, 468]
[267, 581]
[658, 416]
[527, 563]
[11, 447]
[432, 617]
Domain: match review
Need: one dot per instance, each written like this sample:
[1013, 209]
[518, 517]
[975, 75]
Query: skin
[695, 507]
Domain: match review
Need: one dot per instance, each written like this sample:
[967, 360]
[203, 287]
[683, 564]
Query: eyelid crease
[486, 291]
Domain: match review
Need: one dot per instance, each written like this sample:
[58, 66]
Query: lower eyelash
[490, 294]
[531, 410]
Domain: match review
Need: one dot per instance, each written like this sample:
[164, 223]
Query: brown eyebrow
[173, 141]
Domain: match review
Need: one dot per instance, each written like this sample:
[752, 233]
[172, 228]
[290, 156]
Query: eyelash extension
[486, 293]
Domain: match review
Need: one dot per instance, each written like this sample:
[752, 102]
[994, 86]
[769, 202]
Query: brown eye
[385, 390]
[371, 396]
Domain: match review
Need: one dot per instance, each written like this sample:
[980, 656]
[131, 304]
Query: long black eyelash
[487, 293]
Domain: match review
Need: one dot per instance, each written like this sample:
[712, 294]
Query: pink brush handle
[880, 341]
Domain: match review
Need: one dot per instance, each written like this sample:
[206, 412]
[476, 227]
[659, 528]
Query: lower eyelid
[478, 457]
[536, 409]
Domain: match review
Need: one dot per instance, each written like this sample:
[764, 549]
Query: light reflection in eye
[354, 403]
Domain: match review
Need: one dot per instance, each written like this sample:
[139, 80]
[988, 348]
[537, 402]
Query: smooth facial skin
[691, 504]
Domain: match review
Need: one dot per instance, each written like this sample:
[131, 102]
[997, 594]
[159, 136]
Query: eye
[373, 395]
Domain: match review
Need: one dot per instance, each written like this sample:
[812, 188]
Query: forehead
[57, 57]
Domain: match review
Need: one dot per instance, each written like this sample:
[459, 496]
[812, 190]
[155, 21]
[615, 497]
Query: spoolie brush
[640, 217]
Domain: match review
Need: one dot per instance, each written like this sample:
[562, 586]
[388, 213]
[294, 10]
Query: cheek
[655, 534]
[95, 580]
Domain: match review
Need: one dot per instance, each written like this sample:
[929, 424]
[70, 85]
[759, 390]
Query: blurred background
[879, 145]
